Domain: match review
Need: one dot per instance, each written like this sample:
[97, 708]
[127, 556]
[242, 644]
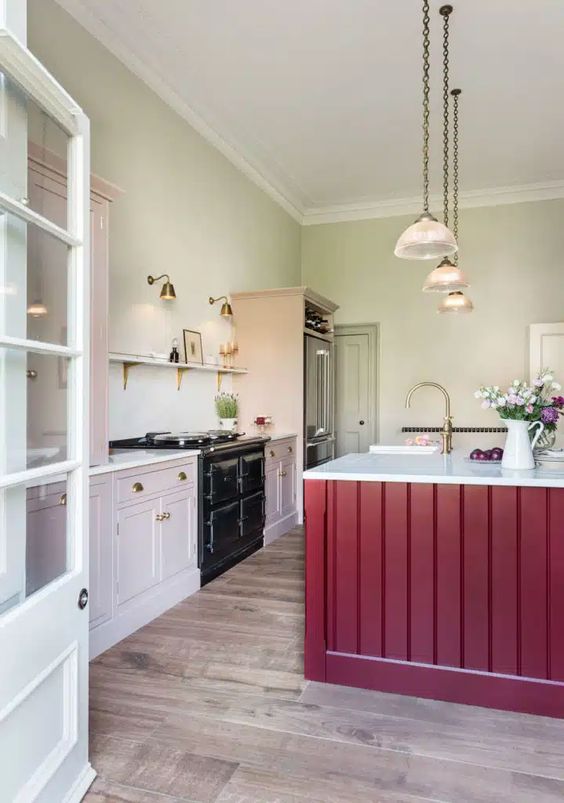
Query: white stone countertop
[281, 436]
[121, 459]
[453, 469]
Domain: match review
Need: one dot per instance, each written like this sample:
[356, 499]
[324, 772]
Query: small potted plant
[226, 405]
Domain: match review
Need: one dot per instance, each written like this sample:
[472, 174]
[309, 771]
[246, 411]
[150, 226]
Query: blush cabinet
[143, 547]
[280, 487]
[100, 590]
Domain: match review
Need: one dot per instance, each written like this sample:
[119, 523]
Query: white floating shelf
[130, 360]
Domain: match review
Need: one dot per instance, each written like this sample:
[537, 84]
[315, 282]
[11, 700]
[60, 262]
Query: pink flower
[529, 408]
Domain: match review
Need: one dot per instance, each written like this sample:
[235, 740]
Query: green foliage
[226, 405]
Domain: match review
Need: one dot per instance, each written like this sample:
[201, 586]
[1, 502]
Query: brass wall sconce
[226, 311]
[167, 290]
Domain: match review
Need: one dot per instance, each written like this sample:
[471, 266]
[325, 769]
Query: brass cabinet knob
[63, 500]
[272, 453]
[166, 516]
[290, 449]
[160, 517]
[283, 473]
[137, 487]
[182, 476]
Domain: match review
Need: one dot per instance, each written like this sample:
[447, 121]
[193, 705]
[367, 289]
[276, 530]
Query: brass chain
[446, 17]
[455, 96]
[426, 92]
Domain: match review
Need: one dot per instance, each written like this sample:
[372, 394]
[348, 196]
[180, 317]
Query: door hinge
[117, 528]
[102, 223]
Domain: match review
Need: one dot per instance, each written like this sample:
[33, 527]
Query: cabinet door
[272, 492]
[178, 533]
[138, 555]
[46, 545]
[288, 486]
[101, 551]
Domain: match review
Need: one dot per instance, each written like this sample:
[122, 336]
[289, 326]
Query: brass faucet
[446, 432]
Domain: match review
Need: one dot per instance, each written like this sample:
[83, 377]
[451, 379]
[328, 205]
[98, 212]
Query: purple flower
[558, 402]
[549, 415]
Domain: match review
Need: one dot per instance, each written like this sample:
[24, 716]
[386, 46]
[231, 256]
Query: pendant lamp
[447, 277]
[455, 301]
[427, 238]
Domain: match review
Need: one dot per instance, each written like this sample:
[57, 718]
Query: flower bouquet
[534, 405]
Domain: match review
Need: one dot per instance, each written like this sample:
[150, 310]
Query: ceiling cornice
[311, 216]
[101, 32]
[495, 196]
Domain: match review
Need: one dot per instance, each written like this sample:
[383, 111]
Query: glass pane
[34, 410]
[33, 153]
[33, 284]
[33, 539]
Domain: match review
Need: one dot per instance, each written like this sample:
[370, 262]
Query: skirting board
[150, 605]
[81, 785]
[280, 527]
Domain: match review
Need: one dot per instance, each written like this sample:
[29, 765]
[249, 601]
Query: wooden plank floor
[208, 703]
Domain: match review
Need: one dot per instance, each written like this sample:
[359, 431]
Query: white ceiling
[319, 100]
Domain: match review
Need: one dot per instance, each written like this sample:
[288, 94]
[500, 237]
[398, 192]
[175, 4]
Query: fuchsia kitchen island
[432, 577]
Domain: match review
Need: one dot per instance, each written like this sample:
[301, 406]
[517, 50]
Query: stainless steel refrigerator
[319, 389]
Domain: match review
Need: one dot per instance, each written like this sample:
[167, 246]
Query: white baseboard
[280, 527]
[143, 610]
[81, 786]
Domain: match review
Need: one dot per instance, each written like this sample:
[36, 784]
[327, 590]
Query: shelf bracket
[126, 366]
[219, 379]
[179, 374]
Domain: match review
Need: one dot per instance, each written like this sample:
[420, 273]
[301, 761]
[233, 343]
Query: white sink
[379, 448]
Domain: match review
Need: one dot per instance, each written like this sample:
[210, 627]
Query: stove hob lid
[194, 438]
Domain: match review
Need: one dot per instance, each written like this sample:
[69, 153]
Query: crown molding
[100, 31]
[494, 196]
[309, 216]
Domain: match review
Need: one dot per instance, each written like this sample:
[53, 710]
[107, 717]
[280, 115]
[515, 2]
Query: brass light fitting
[167, 290]
[226, 311]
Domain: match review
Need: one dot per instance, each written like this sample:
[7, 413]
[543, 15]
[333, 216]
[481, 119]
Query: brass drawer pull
[63, 500]
[160, 517]
[182, 476]
[137, 487]
[272, 453]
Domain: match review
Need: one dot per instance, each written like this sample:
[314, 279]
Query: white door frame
[44, 639]
[373, 332]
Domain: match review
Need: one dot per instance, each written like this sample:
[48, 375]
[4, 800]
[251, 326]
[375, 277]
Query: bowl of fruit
[486, 456]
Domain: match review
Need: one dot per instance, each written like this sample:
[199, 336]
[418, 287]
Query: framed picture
[193, 346]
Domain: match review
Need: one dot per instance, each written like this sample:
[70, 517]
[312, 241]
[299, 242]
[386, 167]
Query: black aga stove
[231, 510]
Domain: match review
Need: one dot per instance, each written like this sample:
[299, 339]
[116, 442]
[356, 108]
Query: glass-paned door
[43, 442]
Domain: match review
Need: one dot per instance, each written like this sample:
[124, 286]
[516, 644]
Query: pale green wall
[514, 258]
[186, 210]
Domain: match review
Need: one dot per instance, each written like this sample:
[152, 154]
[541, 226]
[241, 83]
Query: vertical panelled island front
[429, 576]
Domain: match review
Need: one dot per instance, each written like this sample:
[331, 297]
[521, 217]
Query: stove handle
[209, 545]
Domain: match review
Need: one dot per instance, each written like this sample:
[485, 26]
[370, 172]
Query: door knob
[361, 423]
[83, 599]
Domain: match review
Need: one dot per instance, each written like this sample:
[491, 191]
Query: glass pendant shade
[37, 309]
[427, 238]
[455, 302]
[446, 278]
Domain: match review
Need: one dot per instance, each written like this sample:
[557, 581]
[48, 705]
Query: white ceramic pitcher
[518, 452]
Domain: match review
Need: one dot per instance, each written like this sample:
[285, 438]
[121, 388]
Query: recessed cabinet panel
[138, 549]
[178, 533]
[101, 540]
[287, 486]
[272, 492]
